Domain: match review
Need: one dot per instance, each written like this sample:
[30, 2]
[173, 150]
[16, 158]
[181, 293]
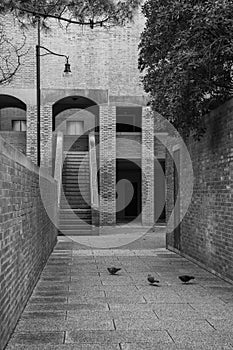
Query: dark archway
[12, 114]
[11, 101]
[13, 121]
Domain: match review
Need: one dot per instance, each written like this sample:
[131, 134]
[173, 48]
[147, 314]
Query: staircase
[75, 216]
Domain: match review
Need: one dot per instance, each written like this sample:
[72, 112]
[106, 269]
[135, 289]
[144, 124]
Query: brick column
[107, 165]
[31, 148]
[147, 166]
[46, 136]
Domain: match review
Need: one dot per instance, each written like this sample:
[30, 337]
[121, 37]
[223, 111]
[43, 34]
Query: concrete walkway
[78, 305]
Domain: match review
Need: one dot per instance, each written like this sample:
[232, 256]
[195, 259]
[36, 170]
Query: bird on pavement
[113, 270]
[151, 279]
[186, 278]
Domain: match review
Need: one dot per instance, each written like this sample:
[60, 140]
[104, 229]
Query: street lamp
[67, 69]
[67, 72]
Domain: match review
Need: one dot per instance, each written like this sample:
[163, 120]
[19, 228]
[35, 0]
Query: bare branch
[10, 58]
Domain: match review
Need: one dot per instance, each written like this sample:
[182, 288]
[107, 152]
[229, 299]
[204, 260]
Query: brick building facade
[105, 83]
[205, 233]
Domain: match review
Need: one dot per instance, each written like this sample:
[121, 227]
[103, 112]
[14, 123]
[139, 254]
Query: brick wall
[27, 235]
[107, 165]
[147, 166]
[206, 230]
[101, 60]
[15, 138]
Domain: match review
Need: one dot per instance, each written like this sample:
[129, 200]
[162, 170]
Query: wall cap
[12, 153]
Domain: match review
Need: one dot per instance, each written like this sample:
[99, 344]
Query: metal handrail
[58, 164]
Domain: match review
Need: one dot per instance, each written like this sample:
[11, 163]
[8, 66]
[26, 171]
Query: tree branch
[10, 59]
[60, 18]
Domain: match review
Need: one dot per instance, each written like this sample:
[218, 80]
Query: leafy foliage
[186, 52]
[83, 12]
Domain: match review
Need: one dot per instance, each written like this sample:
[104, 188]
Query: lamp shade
[67, 69]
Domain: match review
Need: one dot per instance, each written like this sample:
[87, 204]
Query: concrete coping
[129, 133]
[162, 133]
[12, 132]
[12, 153]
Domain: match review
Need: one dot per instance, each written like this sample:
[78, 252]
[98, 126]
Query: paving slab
[70, 306]
[152, 346]
[60, 315]
[147, 346]
[55, 325]
[36, 338]
[197, 337]
[176, 311]
[65, 347]
[48, 299]
[109, 337]
[111, 314]
[77, 304]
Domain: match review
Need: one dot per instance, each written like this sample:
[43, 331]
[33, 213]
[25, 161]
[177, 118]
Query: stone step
[75, 218]
[84, 227]
[74, 200]
[73, 213]
[76, 155]
[79, 232]
[81, 176]
[76, 172]
[75, 206]
[76, 195]
[78, 221]
[75, 185]
[76, 161]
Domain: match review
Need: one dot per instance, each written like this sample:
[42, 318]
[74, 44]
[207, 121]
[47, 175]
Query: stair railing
[59, 164]
[93, 179]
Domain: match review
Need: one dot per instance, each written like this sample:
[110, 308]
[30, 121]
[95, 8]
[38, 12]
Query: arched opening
[75, 117]
[12, 114]
[13, 121]
[74, 114]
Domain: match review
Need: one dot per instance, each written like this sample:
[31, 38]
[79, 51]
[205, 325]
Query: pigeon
[186, 278]
[113, 270]
[151, 279]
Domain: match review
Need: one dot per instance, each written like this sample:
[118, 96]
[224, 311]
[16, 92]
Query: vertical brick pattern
[46, 137]
[27, 236]
[107, 164]
[206, 230]
[147, 167]
[32, 133]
